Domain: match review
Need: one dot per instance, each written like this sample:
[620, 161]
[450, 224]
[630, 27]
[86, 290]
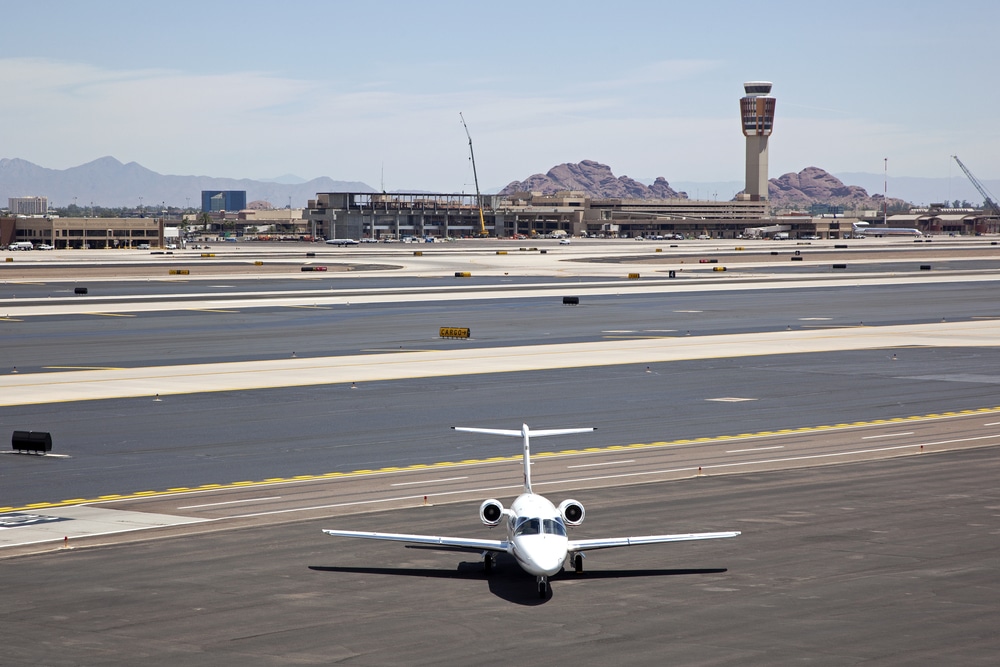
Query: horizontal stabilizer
[518, 434]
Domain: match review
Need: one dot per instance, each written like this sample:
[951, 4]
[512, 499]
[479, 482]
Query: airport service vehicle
[341, 242]
[536, 529]
[45, 246]
[21, 245]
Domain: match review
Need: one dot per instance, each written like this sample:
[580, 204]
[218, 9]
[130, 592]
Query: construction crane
[989, 202]
[475, 178]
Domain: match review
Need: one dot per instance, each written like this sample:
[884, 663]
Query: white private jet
[341, 242]
[536, 529]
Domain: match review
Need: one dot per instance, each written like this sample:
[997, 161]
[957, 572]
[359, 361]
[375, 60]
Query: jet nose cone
[543, 559]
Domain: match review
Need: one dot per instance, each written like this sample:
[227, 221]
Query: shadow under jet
[511, 584]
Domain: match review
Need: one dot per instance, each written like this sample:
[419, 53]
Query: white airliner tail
[526, 434]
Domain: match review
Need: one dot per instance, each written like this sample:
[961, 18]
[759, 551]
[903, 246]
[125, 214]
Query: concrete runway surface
[885, 563]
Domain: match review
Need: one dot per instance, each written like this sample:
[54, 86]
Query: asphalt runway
[201, 333]
[128, 445]
[885, 563]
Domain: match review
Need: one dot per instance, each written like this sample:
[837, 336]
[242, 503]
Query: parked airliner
[536, 529]
[341, 242]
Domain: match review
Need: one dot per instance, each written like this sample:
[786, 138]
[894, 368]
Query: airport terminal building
[83, 233]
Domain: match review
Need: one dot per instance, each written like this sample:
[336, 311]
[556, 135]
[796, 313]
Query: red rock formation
[596, 180]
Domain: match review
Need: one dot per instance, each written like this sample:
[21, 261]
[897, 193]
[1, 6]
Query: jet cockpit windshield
[535, 526]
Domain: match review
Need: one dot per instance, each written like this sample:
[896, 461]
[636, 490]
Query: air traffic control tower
[757, 115]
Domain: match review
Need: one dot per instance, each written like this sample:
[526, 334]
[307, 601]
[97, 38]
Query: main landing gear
[489, 562]
[578, 563]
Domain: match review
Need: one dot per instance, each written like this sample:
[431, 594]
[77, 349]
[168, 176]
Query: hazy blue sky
[343, 89]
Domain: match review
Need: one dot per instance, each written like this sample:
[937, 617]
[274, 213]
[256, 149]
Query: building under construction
[361, 215]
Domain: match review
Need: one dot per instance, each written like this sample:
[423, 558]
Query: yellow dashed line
[497, 459]
[110, 314]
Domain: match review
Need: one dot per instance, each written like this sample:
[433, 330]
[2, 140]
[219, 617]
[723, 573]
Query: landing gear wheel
[578, 563]
[488, 564]
[543, 589]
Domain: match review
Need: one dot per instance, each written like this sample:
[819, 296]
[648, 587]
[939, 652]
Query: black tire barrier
[797, 258]
[542, 252]
[925, 267]
[310, 254]
[840, 246]
[840, 266]
[571, 301]
[31, 441]
[774, 252]
[80, 290]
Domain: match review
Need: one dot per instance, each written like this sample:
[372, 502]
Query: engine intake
[572, 512]
[490, 512]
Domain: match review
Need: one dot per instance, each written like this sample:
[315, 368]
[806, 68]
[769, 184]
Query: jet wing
[608, 543]
[458, 542]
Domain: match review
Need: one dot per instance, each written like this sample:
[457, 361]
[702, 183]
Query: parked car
[44, 246]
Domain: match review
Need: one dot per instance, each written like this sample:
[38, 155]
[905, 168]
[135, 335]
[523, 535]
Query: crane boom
[475, 178]
[988, 199]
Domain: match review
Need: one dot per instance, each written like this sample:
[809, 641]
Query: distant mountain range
[109, 183]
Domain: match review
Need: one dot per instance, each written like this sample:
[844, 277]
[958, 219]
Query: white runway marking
[594, 465]
[886, 435]
[230, 502]
[753, 449]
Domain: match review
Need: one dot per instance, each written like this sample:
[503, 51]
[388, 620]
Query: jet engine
[490, 512]
[572, 512]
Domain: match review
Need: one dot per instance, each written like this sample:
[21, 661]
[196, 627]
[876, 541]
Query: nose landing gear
[543, 587]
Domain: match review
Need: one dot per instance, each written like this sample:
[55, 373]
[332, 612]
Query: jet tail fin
[526, 434]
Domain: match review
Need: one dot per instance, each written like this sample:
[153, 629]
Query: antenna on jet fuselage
[526, 434]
